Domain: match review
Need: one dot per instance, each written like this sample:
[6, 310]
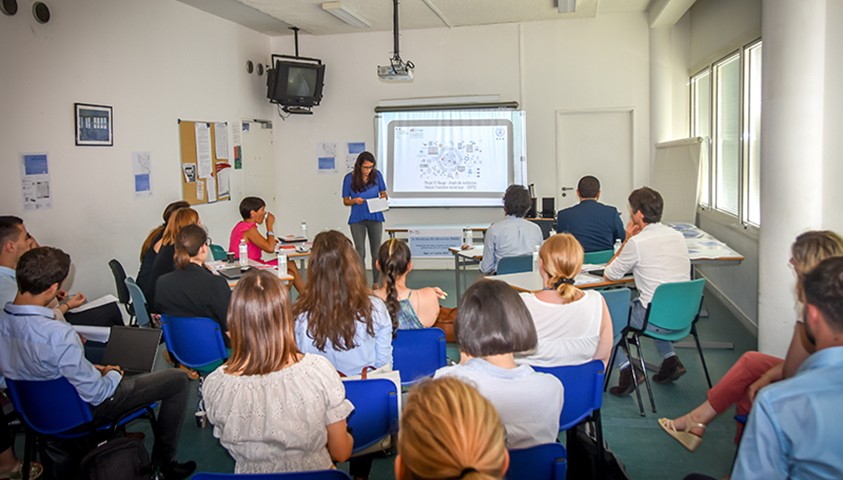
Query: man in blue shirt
[594, 224]
[34, 346]
[513, 236]
[792, 430]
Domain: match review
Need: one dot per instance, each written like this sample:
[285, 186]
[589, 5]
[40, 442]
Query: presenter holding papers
[360, 186]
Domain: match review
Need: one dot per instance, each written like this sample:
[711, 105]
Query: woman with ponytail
[191, 290]
[573, 326]
[407, 308]
[448, 430]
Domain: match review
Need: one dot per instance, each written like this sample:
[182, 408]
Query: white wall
[154, 61]
[833, 165]
[546, 66]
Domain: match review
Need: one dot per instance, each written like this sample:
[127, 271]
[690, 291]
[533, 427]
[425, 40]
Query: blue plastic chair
[596, 258]
[197, 343]
[314, 475]
[521, 263]
[675, 306]
[139, 307]
[542, 462]
[54, 408]
[418, 353]
[583, 397]
[375, 414]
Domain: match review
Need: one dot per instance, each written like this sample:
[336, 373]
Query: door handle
[565, 189]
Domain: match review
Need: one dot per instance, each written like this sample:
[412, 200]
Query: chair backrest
[583, 390]
[542, 462]
[521, 263]
[313, 475]
[194, 341]
[49, 407]
[598, 257]
[218, 252]
[675, 306]
[120, 282]
[617, 300]
[138, 302]
[418, 353]
[375, 412]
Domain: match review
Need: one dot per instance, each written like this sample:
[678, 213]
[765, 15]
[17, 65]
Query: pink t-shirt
[237, 234]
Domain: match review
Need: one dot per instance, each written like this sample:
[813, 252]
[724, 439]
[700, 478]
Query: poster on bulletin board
[204, 165]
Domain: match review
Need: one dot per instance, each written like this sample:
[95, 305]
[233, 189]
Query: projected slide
[450, 158]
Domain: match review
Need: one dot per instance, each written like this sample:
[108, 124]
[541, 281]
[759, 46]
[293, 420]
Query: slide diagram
[448, 159]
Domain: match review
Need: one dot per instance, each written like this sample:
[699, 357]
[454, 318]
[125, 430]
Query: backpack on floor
[118, 459]
[584, 460]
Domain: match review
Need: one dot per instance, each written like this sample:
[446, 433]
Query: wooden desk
[532, 281]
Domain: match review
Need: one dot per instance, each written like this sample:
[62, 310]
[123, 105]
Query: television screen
[295, 84]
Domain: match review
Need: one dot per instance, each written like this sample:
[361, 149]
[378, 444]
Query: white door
[259, 162]
[598, 143]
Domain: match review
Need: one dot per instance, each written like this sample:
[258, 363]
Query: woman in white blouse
[275, 409]
[573, 325]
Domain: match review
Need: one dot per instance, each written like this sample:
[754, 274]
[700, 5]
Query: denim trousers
[374, 229]
[636, 320]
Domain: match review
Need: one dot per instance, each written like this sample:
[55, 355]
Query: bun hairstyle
[448, 431]
[393, 262]
[562, 257]
[189, 241]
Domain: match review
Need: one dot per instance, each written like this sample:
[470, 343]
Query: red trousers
[732, 388]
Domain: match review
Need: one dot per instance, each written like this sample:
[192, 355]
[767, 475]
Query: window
[726, 111]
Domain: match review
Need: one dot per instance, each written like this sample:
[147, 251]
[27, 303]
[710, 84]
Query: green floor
[638, 441]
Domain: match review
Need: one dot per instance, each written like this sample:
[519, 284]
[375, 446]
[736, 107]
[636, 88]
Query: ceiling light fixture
[339, 10]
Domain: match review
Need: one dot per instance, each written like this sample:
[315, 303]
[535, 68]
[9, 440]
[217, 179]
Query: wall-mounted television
[292, 83]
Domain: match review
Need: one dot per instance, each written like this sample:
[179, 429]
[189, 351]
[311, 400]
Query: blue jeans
[636, 320]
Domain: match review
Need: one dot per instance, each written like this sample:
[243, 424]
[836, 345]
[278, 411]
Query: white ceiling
[274, 17]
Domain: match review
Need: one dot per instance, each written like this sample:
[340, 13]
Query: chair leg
[637, 341]
[635, 375]
[702, 357]
[611, 366]
[29, 450]
[598, 434]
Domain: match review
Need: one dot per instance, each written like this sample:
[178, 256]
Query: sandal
[685, 437]
[35, 471]
[191, 373]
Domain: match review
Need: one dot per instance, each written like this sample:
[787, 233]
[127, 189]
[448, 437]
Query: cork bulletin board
[205, 168]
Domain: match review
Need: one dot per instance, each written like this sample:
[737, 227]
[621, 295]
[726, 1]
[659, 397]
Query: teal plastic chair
[596, 258]
[521, 263]
[142, 318]
[675, 306]
[541, 462]
[218, 252]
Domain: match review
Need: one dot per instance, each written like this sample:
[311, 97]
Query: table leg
[457, 276]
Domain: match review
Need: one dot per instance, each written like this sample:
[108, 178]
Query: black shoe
[178, 471]
[670, 370]
[625, 384]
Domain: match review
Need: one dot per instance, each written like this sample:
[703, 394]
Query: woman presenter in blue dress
[364, 183]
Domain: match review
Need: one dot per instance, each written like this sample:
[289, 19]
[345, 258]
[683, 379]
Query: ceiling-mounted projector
[397, 72]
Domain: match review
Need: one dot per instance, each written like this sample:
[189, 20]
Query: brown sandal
[685, 437]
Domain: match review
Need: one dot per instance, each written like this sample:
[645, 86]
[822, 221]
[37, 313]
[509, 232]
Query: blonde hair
[811, 248]
[562, 257]
[448, 430]
[179, 219]
[261, 326]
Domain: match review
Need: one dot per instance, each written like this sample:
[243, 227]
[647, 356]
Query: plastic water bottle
[536, 258]
[304, 230]
[617, 246]
[468, 237]
[282, 263]
[244, 253]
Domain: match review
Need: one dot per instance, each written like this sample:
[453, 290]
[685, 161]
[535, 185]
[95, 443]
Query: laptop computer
[133, 349]
[234, 273]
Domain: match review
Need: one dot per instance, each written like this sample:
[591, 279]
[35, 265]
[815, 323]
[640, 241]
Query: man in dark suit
[594, 224]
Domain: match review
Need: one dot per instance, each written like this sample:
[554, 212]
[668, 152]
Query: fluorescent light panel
[345, 14]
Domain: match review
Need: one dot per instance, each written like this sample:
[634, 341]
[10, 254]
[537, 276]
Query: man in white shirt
[655, 253]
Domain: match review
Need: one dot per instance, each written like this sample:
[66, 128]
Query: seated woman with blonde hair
[573, 326]
[275, 409]
[448, 430]
[407, 308]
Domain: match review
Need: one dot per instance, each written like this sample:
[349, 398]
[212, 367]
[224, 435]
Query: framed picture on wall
[94, 125]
